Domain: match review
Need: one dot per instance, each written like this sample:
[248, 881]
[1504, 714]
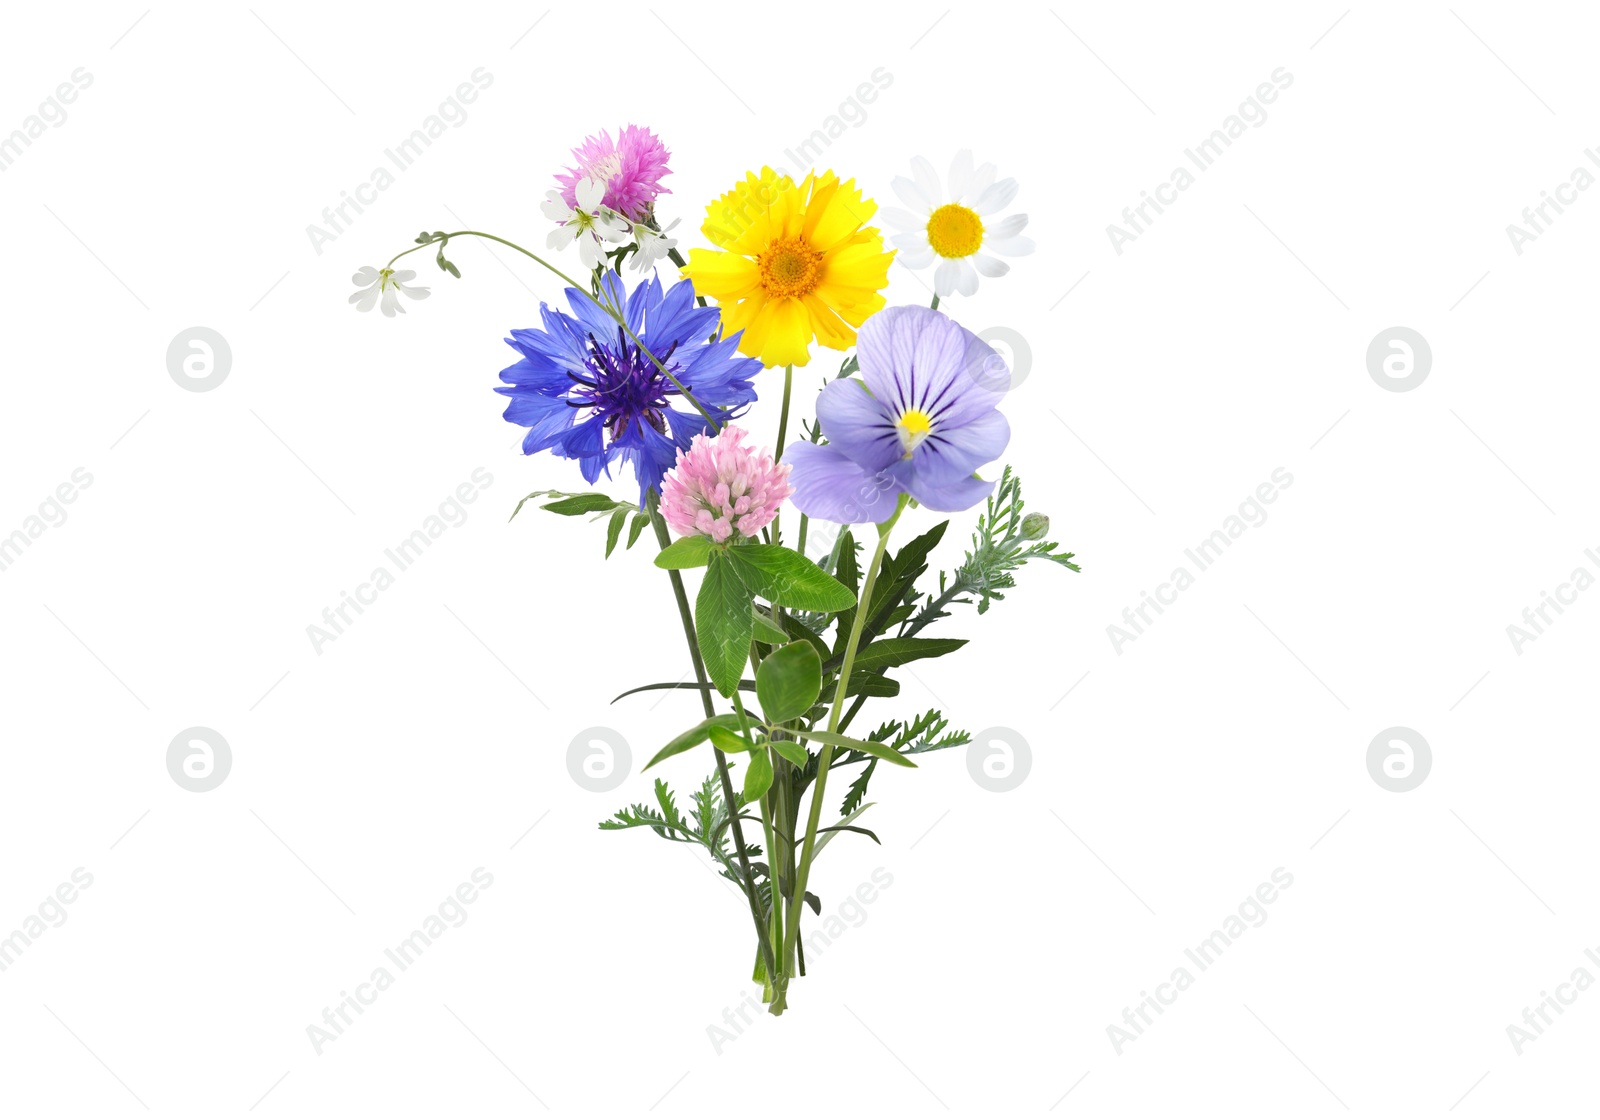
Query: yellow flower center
[790, 267]
[914, 427]
[955, 231]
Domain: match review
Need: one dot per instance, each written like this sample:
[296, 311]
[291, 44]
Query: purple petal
[829, 485]
[858, 425]
[947, 497]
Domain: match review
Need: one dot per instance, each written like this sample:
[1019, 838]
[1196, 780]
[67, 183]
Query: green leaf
[825, 836]
[787, 578]
[789, 682]
[693, 737]
[791, 750]
[685, 552]
[766, 631]
[723, 624]
[640, 520]
[614, 530]
[726, 741]
[876, 750]
[574, 504]
[886, 653]
[757, 776]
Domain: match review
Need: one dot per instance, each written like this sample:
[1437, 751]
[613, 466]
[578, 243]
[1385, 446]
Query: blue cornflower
[585, 391]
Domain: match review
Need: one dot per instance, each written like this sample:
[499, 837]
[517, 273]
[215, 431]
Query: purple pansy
[923, 423]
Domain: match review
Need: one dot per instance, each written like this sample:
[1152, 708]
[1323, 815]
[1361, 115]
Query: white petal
[946, 276]
[990, 266]
[909, 240]
[916, 256]
[997, 197]
[911, 195]
[589, 253]
[1010, 246]
[562, 236]
[900, 219]
[927, 180]
[366, 299]
[961, 173]
[403, 274]
[1006, 227]
[967, 283]
[415, 293]
[556, 210]
[391, 302]
[981, 178]
[365, 275]
[590, 193]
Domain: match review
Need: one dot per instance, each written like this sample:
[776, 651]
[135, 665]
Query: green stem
[935, 303]
[614, 312]
[777, 980]
[825, 759]
[682, 597]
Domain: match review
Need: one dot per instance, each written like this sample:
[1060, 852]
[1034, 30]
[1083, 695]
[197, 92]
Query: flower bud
[1035, 526]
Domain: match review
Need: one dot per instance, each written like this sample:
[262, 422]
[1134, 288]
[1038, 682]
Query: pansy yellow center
[913, 427]
[955, 231]
[789, 267]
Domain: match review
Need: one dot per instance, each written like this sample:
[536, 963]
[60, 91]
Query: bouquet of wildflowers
[651, 379]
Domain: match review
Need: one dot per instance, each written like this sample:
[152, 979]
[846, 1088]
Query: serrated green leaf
[685, 552]
[723, 624]
[789, 682]
[785, 577]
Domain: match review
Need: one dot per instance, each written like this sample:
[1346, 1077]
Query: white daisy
[947, 225]
[588, 223]
[654, 245]
[388, 284]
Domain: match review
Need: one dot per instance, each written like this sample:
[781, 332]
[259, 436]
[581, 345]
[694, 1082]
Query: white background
[1228, 740]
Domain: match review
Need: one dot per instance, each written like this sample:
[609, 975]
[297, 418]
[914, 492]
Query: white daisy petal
[900, 219]
[927, 180]
[590, 193]
[981, 178]
[961, 173]
[915, 256]
[946, 276]
[912, 195]
[911, 240]
[990, 266]
[967, 281]
[1006, 227]
[997, 197]
[1010, 246]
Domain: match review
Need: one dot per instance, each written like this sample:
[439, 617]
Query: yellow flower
[793, 263]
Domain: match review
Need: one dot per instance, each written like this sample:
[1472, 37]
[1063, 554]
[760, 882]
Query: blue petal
[858, 425]
[945, 497]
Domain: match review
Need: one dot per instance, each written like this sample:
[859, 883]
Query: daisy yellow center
[790, 267]
[914, 426]
[955, 231]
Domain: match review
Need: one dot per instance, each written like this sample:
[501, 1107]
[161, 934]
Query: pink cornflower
[721, 488]
[631, 169]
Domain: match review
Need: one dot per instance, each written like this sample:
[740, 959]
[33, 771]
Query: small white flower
[588, 223]
[654, 245]
[387, 283]
[947, 226]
